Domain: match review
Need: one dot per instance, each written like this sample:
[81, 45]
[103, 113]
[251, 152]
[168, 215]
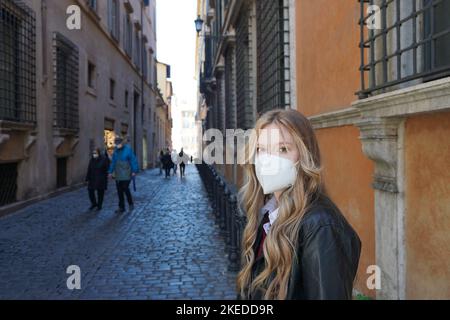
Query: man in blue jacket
[123, 168]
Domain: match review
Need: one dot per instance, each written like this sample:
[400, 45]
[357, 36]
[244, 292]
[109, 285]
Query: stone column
[382, 140]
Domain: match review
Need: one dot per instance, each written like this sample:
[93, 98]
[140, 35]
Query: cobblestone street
[167, 248]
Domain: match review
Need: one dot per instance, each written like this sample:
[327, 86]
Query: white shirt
[273, 213]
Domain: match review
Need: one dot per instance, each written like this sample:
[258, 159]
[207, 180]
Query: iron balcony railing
[403, 41]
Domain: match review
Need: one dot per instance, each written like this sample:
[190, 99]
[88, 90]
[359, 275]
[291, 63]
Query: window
[144, 64]
[61, 172]
[17, 62]
[244, 77]
[150, 66]
[412, 44]
[272, 54]
[137, 52]
[8, 187]
[112, 88]
[65, 56]
[437, 25]
[91, 75]
[124, 129]
[92, 4]
[128, 35]
[126, 99]
[113, 18]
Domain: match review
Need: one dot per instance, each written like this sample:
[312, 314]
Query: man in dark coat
[97, 178]
[167, 162]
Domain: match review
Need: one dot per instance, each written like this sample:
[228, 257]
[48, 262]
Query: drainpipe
[44, 41]
[142, 71]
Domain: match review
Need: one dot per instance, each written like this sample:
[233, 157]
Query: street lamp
[198, 24]
[199, 27]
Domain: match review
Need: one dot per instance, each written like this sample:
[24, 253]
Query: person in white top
[174, 156]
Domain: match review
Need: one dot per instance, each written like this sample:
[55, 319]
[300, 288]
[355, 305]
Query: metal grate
[230, 86]
[8, 185]
[411, 43]
[17, 62]
[273, 54]
[219, 108]
[65, 55]
[244, 99]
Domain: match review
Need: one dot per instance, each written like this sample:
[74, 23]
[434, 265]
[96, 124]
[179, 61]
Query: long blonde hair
[280, 245]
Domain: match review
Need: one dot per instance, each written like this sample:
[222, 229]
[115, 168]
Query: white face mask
[274, 173]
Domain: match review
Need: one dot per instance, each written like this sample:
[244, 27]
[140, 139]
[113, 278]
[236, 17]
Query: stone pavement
[167, 248]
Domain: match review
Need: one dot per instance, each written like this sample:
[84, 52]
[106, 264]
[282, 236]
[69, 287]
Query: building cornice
[426, 97]
[344, 117]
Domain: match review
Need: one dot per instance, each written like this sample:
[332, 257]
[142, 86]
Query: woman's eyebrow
[279, 144]
[285, 142]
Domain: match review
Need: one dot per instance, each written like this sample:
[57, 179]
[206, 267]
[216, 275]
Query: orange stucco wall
[427, 169]
[328, 56]
[348, 177]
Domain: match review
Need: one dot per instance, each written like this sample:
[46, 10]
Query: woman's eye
[283, 150]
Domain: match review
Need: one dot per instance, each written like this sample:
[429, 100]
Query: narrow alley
[167, 248]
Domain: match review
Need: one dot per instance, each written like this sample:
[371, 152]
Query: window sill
[17, 125]
[112, 103]
[63, 132]
[91, 91]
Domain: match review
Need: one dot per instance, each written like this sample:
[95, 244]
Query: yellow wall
[427, 168]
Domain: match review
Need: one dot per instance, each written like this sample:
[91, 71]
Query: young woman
[297, 244]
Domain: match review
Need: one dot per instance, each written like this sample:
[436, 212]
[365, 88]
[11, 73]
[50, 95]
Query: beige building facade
[66, 90]
[163, 118]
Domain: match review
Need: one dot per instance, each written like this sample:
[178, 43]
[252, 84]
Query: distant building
[163, 118]
[185, 133]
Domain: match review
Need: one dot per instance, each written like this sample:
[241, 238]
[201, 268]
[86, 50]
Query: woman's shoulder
[323, 213]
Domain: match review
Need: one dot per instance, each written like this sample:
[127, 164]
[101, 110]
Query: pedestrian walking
[174, 159]
[97, 179]
[296, 244]
[182, 164]
[123, 168]
[161, 165]
[167, 163]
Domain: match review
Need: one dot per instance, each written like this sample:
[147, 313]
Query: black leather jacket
[328, 254]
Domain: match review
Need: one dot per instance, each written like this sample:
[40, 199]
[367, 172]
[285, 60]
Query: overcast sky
[176, 45]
